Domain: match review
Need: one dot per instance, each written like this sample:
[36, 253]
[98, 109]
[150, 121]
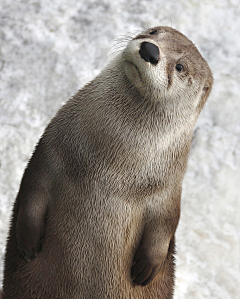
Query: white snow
[50, 49]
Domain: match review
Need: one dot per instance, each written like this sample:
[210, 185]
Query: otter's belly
[90, 243]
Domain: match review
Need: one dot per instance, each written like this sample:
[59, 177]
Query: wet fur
[101, 194]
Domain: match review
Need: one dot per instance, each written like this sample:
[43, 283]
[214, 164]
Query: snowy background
[50, 49]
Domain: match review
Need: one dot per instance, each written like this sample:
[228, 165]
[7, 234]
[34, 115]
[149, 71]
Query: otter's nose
[149, 52]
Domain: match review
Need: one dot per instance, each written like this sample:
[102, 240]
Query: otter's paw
[29, 237]
[146, 265]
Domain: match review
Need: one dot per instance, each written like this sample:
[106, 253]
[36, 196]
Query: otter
[99, 201]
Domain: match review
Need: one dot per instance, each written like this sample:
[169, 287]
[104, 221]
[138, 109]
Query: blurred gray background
[50, 49]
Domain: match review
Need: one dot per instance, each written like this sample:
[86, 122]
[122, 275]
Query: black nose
[149, 52]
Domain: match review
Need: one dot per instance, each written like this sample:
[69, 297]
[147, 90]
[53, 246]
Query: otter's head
[165, 64]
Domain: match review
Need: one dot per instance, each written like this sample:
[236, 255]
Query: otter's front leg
[154, 246]
[30, 224]
[32, 203]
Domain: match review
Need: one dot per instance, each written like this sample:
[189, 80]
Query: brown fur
[102, 189]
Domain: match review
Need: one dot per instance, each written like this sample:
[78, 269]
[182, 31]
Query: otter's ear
[205, 92]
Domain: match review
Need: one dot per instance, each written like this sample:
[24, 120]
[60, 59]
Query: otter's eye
[153, 32]
[179, 68]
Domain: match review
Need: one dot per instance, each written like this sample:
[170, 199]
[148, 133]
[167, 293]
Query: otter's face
[162, 62]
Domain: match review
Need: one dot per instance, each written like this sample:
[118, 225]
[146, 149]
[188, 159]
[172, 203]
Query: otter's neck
[118, 100]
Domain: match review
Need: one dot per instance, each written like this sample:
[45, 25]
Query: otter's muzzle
[149, 52]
